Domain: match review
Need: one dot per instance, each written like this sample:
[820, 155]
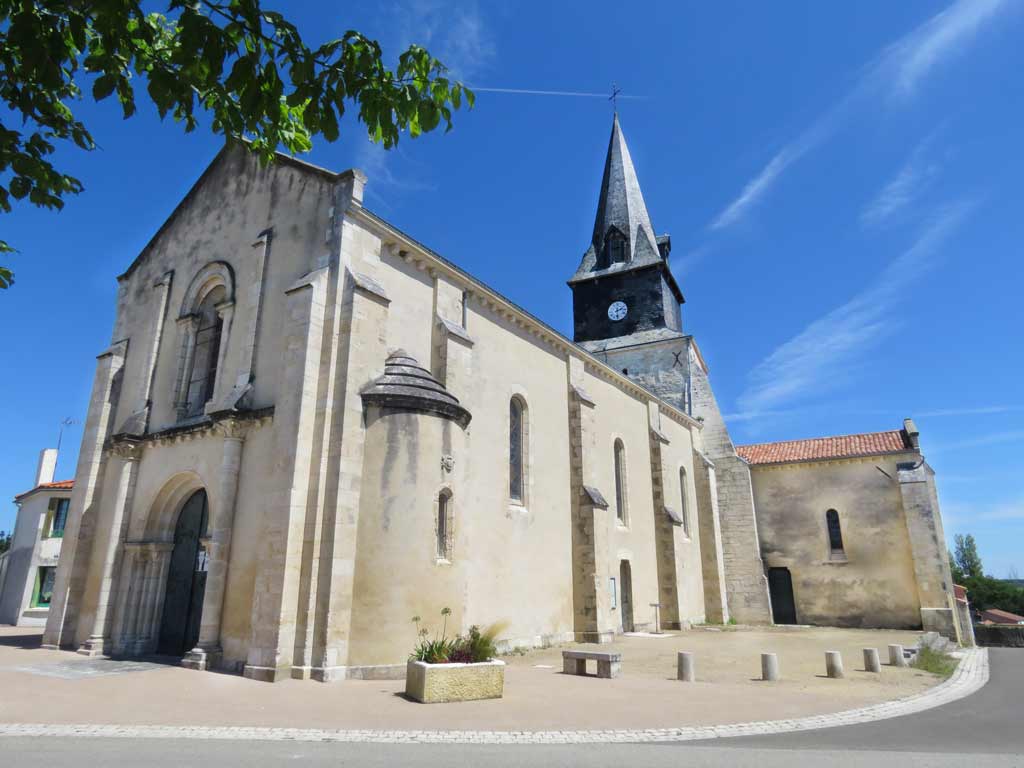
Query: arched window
[203, 376]
[835, 532]
[620, 482]
[205, 324]
[517, 431]
[444, 525]
[684, 510]
[615, 243]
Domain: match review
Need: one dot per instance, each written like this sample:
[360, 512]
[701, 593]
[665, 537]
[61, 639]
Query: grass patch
[936, 662]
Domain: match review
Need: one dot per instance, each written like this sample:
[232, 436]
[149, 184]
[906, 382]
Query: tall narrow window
[835, 532]
[516, 450]
[684, 510]
[620, 482]
[207, 351]
[444, 509]
[60, 518]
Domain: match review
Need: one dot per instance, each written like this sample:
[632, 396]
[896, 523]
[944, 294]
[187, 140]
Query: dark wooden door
[186, 581]
[780, 585]
[626, 582]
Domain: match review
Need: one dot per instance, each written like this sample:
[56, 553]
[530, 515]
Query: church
[309, 428]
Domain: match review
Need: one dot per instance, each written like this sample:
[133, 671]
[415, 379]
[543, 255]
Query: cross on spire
[614, 97]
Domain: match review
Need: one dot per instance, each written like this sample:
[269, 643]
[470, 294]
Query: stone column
[208, 650]
[136, 589]
[272, 639]
[927, 546]
[152, 599]
[77, 544]
[716, 605]
[592, 617]
[98, 642]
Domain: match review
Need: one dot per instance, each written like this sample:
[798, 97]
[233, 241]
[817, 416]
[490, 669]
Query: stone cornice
[228, 424]
[424, 259]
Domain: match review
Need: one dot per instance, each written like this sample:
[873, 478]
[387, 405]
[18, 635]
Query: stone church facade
[310, 427]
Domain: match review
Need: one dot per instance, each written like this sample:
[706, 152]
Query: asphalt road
[988, 726]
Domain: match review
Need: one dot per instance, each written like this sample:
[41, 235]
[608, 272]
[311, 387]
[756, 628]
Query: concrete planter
[436, 683]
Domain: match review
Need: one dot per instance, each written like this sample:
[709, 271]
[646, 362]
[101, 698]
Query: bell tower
[623, 285]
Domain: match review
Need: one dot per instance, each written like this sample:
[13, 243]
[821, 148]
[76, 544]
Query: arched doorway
[626, 582]
[186, 581]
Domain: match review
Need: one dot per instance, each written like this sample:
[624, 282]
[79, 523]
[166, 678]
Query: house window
[203, 376]
[835, 533]
[59, 519]
[620, 482]
[517, 426]
[44, 586]
[444, 511]
[683, 509]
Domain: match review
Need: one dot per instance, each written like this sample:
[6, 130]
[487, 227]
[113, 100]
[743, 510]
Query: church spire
[621, 208]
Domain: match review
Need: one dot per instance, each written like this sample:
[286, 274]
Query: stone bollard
[685, 670]
[769, 666]
[896, 657]
[871, 662]
[834, 664]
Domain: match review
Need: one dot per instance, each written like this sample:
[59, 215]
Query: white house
[28, 568]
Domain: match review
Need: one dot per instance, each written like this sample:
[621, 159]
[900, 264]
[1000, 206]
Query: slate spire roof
[621, 206]
[621, 203]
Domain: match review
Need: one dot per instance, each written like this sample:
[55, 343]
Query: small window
[444, 510]
[835, 532]
[44, 586]
[616, 245]
[620, 482]
[613, 592]
[684, 510]
[517, 450]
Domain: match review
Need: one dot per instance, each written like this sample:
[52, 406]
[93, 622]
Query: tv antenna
[65, 423]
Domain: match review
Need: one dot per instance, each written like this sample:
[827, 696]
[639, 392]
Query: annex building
[309, 428]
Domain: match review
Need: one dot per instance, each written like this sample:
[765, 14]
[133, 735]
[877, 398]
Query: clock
[617, 310]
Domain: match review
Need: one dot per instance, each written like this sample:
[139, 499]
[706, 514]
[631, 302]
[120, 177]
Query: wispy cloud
[994, 438]
[909, 183]
[455, 33]
[826, 349]
[978, 411]
[945, 35]
[897, 71]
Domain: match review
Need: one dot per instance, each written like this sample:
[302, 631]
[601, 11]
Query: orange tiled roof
[60, 485]
[817, 448]
[997, 615]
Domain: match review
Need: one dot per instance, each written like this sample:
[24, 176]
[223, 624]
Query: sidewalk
[56, 687]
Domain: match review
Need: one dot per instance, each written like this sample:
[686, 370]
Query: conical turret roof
[408, 386]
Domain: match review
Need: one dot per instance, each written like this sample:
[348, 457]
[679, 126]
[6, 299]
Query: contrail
[480, 89]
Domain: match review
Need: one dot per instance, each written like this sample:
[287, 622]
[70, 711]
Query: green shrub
[477, 646]
[936, 662]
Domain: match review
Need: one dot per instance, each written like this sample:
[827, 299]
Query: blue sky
[841, 182]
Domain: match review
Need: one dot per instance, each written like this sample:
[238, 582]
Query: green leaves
[278, 93]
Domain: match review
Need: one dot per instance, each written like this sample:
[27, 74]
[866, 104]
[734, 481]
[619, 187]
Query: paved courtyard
[41, 686]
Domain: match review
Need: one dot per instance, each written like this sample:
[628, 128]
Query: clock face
[617, 310]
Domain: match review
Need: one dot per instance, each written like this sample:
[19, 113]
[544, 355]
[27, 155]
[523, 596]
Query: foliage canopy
[247, 67]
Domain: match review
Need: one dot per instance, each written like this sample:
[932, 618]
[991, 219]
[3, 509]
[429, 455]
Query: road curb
[971, 674]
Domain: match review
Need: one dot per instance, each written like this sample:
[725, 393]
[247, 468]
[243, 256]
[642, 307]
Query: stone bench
[608, 664]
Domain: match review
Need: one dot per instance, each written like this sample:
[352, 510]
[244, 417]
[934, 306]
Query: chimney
[910, 428]
[47, 465]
